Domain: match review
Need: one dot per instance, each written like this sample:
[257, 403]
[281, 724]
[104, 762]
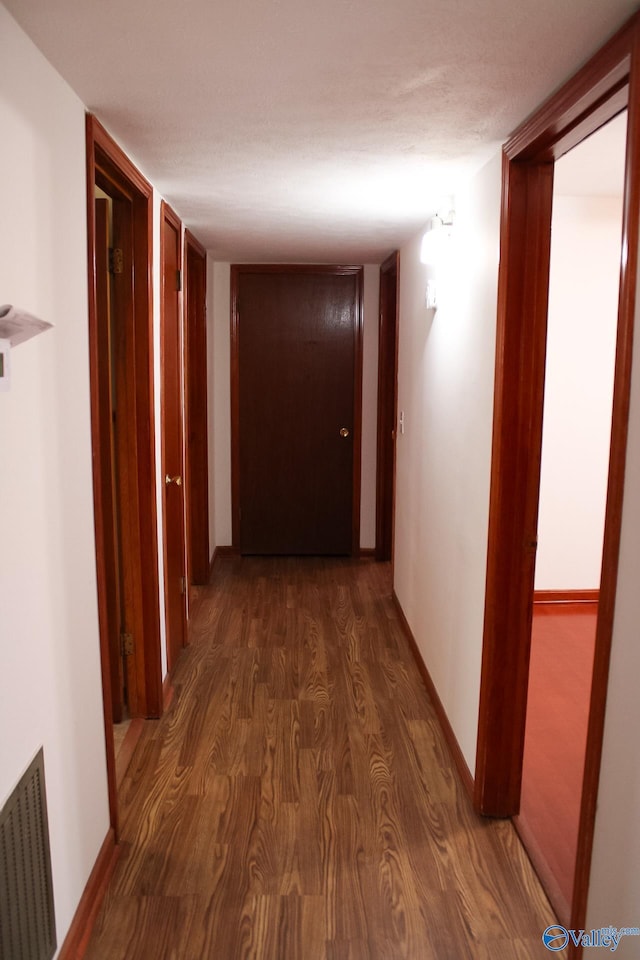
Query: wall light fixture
[436, 240]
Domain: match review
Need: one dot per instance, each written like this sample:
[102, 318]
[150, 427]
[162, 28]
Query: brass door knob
[344, 432]
[177, 480]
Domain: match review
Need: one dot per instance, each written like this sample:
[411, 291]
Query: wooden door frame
[600, 90]
[334, 270]
[168, 215]
[195, 401]
[108, 481]
[106, 159]
[387, 401]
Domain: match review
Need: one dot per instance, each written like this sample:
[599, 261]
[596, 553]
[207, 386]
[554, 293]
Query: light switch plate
[5, 365]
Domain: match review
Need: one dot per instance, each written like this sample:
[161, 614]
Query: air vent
[27, 920]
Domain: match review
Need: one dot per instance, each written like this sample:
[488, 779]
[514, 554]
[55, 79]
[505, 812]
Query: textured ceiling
[292, 130]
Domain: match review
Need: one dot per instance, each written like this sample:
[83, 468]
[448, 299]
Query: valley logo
[556, 937]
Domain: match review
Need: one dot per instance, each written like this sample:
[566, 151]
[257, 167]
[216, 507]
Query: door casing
[387, 406]
[171, 394]
[108, 165]
[607, 84]
[195, 380]
[106, 388]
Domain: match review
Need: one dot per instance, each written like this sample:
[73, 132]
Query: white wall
[614, 892]
[51, 690]
[219, 307]
[583, 309]
[445, 386]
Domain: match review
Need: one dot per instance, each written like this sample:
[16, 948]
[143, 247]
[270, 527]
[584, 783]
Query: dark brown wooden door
[172, 444]
[116, 406]
[298, 362]
[387, 406]
[196, 411]
[123, 379]
[108, 481]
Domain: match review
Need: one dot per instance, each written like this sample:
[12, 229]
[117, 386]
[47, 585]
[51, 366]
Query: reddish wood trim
[105, 381]
[357, 412]
[456, 753]
[336, 270]
[119, 361]
[168, 215]
[367, 552]
[235, 409]
[593, 96]
[193, 242]
[517, 442]
[566, 596]
[98, 445]
[550, 885]
[195, 404]
[146, 468]
[125, 753]
[219, 553]
[582, 104]
[106, 160]
[387, 409]
[77, 939]
[615, 489]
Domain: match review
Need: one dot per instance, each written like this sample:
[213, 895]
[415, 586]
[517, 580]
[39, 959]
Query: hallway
[297, 800]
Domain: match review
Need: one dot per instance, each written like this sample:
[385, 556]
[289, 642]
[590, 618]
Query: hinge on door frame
[116, 260]
[126, 644]
[183, 584]
[178, 280]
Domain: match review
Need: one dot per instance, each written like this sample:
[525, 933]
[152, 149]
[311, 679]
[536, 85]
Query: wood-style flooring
[297, 802]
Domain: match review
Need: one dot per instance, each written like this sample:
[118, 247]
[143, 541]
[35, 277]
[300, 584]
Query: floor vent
[27, 920]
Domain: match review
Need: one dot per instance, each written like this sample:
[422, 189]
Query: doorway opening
[576, 437]
[119, 221]
[595, 95]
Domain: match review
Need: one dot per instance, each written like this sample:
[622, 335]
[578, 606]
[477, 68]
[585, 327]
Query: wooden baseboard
[222, 551]
[367, 553]
[566, 596]
[547, 880]
[447, 730]
[77, 939]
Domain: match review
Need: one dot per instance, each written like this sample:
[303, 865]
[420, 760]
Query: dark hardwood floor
[297, 802]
